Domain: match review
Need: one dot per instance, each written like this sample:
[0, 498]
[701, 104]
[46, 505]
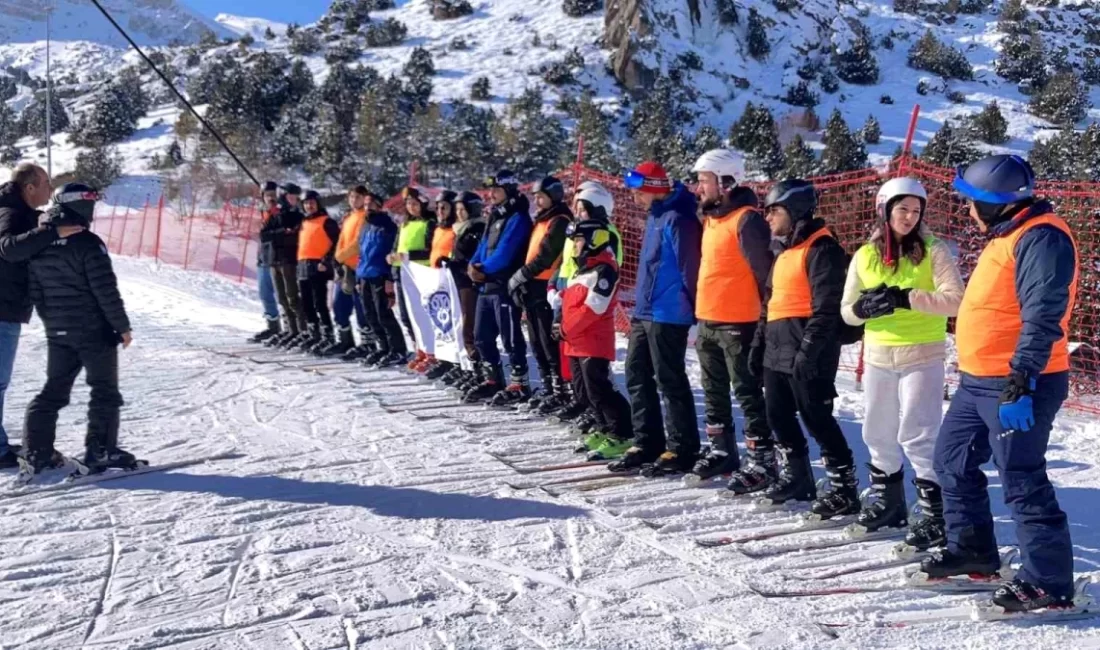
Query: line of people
[774, 297]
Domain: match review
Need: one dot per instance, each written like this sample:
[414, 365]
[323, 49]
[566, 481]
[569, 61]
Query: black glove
[443, 262]
[900, 297]
[804, 368]
[756, 361]
[1017, 409]
[874, 303]
[555, 332]
[516, 282]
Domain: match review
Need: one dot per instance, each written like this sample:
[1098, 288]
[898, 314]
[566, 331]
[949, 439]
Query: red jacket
[588, 309]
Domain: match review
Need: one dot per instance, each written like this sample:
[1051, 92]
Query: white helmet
[722, 163]
[897, 188]
[597, 195]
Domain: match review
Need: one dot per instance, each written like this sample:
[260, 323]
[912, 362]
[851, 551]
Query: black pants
[403, 311]
[497, 317]
[724, 362]
[63, 363]
[314, 293]
[285, 277]
[381, 322]
[813, 402]
[467, 296]
[655, 362]
[540, 323]
[611, 408]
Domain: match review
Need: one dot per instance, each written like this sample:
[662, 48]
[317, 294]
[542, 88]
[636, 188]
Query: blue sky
[298, 11]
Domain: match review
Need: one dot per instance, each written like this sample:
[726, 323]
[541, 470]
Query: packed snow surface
[344, 526]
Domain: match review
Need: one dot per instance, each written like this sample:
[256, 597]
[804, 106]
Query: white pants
[904, 411]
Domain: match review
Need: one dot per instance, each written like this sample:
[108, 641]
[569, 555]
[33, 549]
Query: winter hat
[552, 188]
[411, 192]
[73, 204]
[473, 204]
[649, 178]
[361, 190]
[271, 186]
[447, 197]
[314, 195]
[291, 188]
[504, 179]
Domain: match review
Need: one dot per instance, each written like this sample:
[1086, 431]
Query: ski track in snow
[346, 526]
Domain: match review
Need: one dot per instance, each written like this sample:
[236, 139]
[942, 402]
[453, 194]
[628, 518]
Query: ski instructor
[1014, 358]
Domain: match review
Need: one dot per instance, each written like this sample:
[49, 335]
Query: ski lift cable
[178, 94]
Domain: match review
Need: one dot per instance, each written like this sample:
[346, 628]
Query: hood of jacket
[379, 218]
[557, 210]
[11, 197]
[738, 197]
[460, 227]
[680, 201]
[517, 204]
[1029, 211]
[802, 231]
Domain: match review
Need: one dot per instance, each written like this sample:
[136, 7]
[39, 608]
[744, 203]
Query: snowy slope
[254, 27]
[348, 527]
[149, 22]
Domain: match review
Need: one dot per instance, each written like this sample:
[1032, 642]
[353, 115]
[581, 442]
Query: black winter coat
[75, 292]
[279, 237]
[468, 236]
[20, 238]
[818, 337]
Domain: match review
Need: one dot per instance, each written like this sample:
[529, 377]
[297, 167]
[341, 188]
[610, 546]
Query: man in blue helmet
[1012, 342]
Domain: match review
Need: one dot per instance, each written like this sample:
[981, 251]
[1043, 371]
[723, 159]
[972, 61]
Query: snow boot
[611, 449]
[99, 460]
[929, 531]
[344, 342]
[322, 343]
[884, 506]
[391, 360]
[492, 384]
[795, 482]
[945, 564]
[841, 497]
[313, 336]
[517, 392]
[720, 459]
[667, 464]
[41, 460]
[757, 474]
[440, 369]
[1019, 596]
[271, 330]
[632, 459]
[420, 357]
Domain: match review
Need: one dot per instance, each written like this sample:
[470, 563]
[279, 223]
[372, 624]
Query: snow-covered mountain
[149, 22]
[712, 47]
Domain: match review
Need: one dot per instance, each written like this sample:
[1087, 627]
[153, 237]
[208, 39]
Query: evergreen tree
[267, 89]
[1013, 12]
[529, 141]
[801, 95]
[871, 132]
[341, 90]
[595, 127]
[578, 8]
[8, 88]
[419, 70]
[930, 54]
[1022, 57]
[33, 120]
[305, 42]
[949, 147]
[990, 125]
[800, 159]
[766, 156]
[268, 34]
[843, 152]
[742, 136]
[300, 84]
[1063, 100]
[1057, 158]
[758, 36]
[383, 129]
[727, 12]
[1091, 75]
[290, 141]
[706, 139]
[480, 90]
[857, 64]
[448, 9]
[387, 33]
[8, 134]
[829, 82]
[99, 167]
[907, 6]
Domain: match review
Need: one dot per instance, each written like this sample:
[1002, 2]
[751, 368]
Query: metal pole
[49, 99]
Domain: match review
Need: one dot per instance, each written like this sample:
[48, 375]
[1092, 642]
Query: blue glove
[1017, 412]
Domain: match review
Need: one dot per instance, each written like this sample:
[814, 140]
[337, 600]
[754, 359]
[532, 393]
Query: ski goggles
[639, 182]
[498, 181]
[69, 197]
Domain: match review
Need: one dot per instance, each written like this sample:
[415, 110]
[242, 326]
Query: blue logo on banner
[438, 307]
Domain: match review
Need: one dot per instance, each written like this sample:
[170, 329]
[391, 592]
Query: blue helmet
[996, 180]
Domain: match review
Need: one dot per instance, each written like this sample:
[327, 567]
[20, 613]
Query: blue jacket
[503, 249]
[668, 268]
[376, 241]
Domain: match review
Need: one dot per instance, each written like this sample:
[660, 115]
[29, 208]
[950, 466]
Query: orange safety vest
[443, 244]
[989, 325]
[541, 229]
[727, 290]
[314, 242]
[791, 296]
[350, 229]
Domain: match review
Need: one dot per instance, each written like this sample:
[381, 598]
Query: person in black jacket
[20, 238]
[316, 247]
[797, 350]
[469, 228]
[279, 240]
[75, 291]
[265, 283]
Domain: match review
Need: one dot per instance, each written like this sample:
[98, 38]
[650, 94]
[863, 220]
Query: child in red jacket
[586, 323]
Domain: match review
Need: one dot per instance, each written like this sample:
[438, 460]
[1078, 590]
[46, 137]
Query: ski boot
[440, 369]
[100, 460]
[279, 341]
[517, 391]
[884, 505]
[392, 360]
[841, 497]
[295, 341]
[718, 460]
[365, 347]
[452, 376]
[314, 336]
[569, 412]
[758, 474]
[424, 366]
[322, 343]
[611, 449]
[1019, 596]
[795, 483]
[590, 442]
[583, 424]
[343, 344]
[562, 396]
[667, 464]
[10, 458]
[492, 384]
[632, 459]
[945, 564]
[471, 379]
[421, 356]
[272, 330]
[532, 404]
[929, 531]
[37, 461]
[372, 359]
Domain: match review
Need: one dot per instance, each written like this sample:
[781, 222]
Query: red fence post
[218, 247]
[578, 164]
[187, 245]
[908, 148]
[247, 241]
[122, 235]
[111, 232]
[144, 216]
[160, 215]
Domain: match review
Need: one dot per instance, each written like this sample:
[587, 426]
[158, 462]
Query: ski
[538, 469]
[77, 478]
[805, 523]
[863, 567]
[602, 476]
[946, 585]
[424, 404]
[588, 486]
[822, 544]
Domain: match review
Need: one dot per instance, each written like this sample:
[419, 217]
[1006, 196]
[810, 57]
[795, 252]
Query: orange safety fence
[225, 240]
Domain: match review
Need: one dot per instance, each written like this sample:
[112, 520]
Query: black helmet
[794, 194]
[596, 234]
[473, 204]
[994, 182]
[504, 179]
[551, 187]
[73, 204]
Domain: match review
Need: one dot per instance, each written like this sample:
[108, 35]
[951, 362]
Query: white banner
[431, 299]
